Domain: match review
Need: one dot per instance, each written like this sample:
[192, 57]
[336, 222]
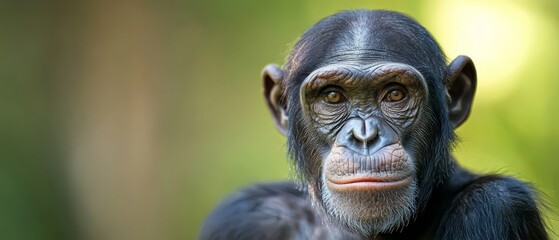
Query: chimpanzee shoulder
[493, 207]
[279, 210]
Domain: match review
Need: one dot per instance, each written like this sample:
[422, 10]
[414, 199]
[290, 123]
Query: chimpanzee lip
[363, 183]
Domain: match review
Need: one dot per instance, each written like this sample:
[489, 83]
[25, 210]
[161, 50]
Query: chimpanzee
[369, 106]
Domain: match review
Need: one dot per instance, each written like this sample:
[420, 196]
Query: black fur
[453, 203]
[266, 211]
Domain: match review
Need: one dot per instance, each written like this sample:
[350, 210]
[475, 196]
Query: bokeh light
[474, 28]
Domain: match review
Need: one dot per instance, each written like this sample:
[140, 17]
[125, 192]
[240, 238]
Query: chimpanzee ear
[272, 77]
[461, 87]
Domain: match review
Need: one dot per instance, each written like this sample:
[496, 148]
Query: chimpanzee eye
[394, 94]
[333, 97]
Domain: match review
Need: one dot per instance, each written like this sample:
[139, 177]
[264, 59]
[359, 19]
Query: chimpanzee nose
[366, 131]
[362, 135]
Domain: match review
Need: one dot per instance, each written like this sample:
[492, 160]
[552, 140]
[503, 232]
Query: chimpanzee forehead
[366, 37]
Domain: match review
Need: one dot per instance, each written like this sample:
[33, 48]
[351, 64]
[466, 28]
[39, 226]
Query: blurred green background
[132, 119]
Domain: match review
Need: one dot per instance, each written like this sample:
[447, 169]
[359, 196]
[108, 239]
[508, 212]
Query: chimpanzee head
[369, 106]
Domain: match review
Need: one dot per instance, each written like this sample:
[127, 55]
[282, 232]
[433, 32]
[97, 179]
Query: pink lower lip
[367, 183]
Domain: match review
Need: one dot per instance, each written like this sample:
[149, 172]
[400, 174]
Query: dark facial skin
[360, 112]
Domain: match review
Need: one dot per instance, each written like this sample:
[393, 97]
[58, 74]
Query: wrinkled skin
[360, 112]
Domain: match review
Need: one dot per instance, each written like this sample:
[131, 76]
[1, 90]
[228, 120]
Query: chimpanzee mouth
[367, 183]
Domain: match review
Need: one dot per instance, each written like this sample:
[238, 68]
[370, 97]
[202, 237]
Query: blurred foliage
[133, 119]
